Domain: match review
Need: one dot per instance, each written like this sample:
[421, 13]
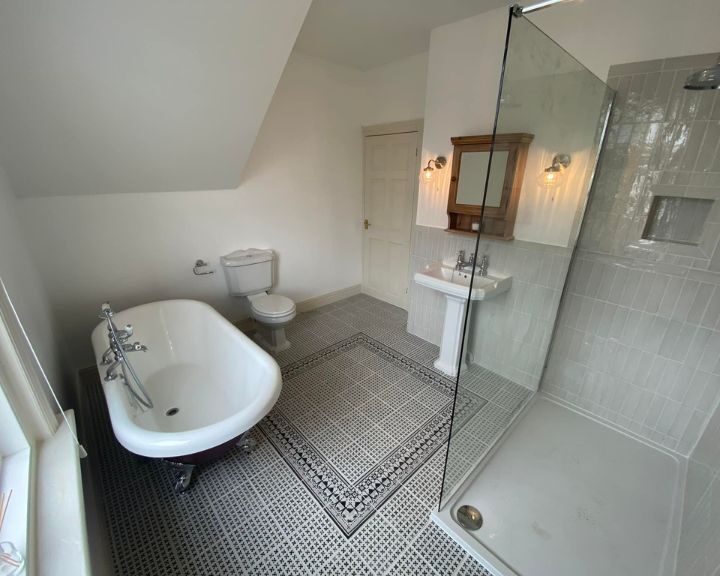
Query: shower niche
[677, 219]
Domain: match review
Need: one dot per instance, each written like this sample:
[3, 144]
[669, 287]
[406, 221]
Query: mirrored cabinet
[467, 183]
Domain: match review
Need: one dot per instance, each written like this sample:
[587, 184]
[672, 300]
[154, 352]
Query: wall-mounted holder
[198, 268]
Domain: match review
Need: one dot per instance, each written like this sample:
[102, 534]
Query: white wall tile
[659, 346]
[511, 333]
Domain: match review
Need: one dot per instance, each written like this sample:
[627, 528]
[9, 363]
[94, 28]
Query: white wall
[302, 196]
[134, 96]
[396, 91]
[464, 70]
[545, 93]
[463, 73]
[26, 289]
[601, 33]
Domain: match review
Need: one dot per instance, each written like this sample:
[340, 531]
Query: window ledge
[15, 476]
[62, 544]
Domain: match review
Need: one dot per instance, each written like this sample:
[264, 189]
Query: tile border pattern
[349, 505]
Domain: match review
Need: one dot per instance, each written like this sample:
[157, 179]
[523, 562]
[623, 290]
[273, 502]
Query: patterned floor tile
[352, 462]
[347, 562]
[472, 567]
[379, 543]
[411, 562]
[397, 426]
[356, 424]
[346, 470]
[316, 541]
[439, 550]
[405, 513]
[353, 480]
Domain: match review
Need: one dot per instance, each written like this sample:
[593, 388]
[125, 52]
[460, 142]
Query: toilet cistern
[250, 274]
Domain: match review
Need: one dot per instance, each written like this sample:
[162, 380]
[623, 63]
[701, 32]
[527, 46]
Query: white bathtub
[220, 381]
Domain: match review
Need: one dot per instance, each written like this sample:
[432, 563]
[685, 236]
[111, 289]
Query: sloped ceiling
[136, 95]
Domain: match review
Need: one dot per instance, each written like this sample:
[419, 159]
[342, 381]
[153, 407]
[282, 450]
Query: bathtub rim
[159, 444]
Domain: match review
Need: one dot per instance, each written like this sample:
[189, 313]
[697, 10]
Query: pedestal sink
[455, 284]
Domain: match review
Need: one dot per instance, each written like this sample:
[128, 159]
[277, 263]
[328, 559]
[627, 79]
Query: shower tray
[565, 494]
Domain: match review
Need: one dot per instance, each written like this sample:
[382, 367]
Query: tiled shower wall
[638, 339]
[509, 334]
[698, 553]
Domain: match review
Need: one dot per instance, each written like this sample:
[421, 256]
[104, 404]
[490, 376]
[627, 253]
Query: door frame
[387, 129]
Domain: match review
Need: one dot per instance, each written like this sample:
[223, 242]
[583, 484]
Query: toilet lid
[273, 305]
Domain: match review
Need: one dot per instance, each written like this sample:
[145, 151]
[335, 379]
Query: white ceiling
[137, 96]
[368, 33]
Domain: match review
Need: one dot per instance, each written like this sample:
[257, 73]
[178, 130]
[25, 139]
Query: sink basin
[443, 278]
[454, 284]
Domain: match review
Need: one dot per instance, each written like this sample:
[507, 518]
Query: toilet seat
[272, 305]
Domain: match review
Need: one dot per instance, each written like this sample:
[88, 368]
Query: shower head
[707, 79]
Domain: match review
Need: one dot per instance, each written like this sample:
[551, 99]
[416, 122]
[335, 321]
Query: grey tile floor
[347, 469]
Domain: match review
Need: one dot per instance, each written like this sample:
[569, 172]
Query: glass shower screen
[562, 109]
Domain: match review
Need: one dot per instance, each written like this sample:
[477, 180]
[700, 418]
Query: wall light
[439, 164]
[552, 175]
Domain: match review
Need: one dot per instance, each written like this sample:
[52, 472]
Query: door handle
[366, 224]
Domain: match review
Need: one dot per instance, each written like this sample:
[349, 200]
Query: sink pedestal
[455, 284]
[451, 340]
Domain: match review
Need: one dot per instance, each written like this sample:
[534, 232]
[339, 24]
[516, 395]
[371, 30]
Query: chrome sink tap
[462, 264]
[483, 267]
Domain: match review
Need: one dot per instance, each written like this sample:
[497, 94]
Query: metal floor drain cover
[469, 517]
[172, 411]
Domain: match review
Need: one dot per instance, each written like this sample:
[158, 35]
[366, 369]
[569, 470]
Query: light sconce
[438, 163]
[552, 175]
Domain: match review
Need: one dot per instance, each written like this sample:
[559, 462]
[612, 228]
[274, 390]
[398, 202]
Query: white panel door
[389, 182]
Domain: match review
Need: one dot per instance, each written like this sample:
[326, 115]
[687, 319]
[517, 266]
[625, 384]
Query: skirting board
[329, 298]
[247, 325]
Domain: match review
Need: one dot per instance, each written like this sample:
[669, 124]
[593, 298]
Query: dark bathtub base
[185, 465]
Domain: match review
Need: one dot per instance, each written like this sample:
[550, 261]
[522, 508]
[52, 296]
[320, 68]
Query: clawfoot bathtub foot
[246, 443]
[183, 475]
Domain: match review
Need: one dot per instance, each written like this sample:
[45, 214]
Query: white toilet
[250, 273]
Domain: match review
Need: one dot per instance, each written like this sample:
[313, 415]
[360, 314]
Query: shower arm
[518, 10]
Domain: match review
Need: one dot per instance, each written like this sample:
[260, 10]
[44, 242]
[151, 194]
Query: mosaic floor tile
[354, 481]
[346, 470]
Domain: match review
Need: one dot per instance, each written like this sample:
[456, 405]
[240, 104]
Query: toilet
[249, 273]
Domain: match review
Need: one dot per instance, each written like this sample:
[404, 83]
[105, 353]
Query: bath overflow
[172, 411]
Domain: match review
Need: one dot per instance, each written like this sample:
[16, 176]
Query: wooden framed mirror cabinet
[467, 183]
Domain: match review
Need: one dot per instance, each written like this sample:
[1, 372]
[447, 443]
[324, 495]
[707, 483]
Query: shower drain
[469, 517]
[172, 411]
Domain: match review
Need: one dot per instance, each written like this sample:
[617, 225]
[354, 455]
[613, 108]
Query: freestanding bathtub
[209, 383]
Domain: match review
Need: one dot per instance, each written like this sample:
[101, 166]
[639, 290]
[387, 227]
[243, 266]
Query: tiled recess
[638, 339]
[263, 513]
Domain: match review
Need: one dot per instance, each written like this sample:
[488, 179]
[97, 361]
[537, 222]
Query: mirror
[471, 155]
[473, 172]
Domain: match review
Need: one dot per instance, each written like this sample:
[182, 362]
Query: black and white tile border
[252, 514]
[349, 503]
